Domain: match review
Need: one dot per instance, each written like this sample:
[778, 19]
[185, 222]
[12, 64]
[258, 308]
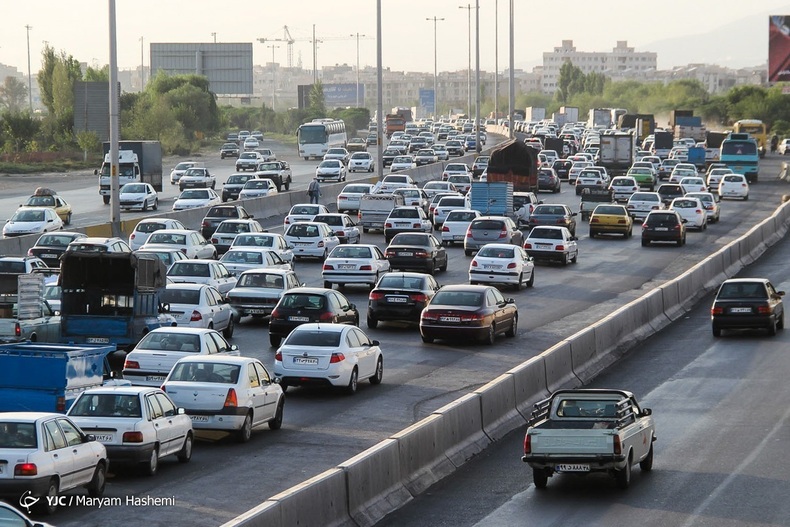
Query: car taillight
[328, 267]
[618, 448]
[559, 248]
[196, 316]
[326, 317]
[654, 207]
[421, 254]
[376, 295]
[415, 225]
[527, 444]
[503, 233]
[388, 225]
[214, 240]
[336, 357]
[321, 243]
[17, 330]
[205, 224]
[418, 297]
[359, 215]
[474, 263]
[230, 399]
[445, 228]
[275, 313]
[527, 245]
[26, 469]
[698, 211]
[278, 356]
[60, 404]
[184, 250]
[342, 197]
[621, 221]
[630, 207]
[130, 237]
[365, 267]
[594, 220]
[131, 365]
[468, 233]
[764, 310]
[511, 265]
[428, 315]
[716, 310]
[132, 437]
[389, 254]
[435, 212]
[471, 317]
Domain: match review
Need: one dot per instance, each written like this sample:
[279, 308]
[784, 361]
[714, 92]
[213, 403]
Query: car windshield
[184, 166]
[169, 238]
[55, 240]
[28, 215]
[460, 216]
[149, 226]
[497, 252]
[212, 372]
[134, 188]
[40, 201]
[754, 290]
[181, 296]
[265, 280]
[351, 252]
[303, 301]
[268, 166]
[256, 184]
[194, 194]
[17, 435]
[314, 338]
[257, 241]
[107, 405]
[167, 341]
[301, 230]
[458, 298]
[487, 225]
[189, 269]
[545, 234]
[199, 172]
[361, 155]
[238, 180]
[451, 202]
[356, 189]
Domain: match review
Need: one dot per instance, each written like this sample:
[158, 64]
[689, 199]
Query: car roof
[267, 270]
[466, 287]
[322, 326]
[221, 359]
[186, 285]
[179, 329]
[28, 416]
[128, 390]
[746, 280]
[173, 231]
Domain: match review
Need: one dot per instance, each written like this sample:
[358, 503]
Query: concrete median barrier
[498, 403]
[654, 303]
[582, 346]
[267, 514]
[463, 422]
[673, 308]
[686, 288]
[374, 483]
[421, 450]
[770, 231]
[559, 367]
[321, 501]
[529, 383]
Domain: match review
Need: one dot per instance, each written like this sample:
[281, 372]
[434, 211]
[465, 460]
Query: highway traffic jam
[165, 320]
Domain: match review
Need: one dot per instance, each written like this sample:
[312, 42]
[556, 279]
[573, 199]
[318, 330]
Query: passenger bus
[319, 135]
[757, 130]
[739, 152]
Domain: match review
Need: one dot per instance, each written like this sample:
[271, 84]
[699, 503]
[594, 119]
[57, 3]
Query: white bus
[319, 135]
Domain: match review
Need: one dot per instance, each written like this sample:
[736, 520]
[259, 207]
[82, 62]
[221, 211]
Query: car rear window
[163, 237]
[460, 216]
[206, 372]
[496, 252]
[107, 405]
[314, 338]
[17, 435]
[400, 282]
[258, 241]
[488, 225]
[404, 213]
[329, 219]
[351, 252]
[546, 234]
[189, 269]
[410, 239]
[181, 296]
[303, 231]
[243, 257]
[458, 298]
[167, 341]
[742, 290]
[452, 202]
[12, 267]
[661, 220]
[606, 209]
[303, 301]
[149, 227]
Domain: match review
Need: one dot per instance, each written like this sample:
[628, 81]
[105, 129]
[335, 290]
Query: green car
[644, 177]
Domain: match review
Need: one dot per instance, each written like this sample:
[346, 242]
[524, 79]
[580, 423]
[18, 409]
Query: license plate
[405, 254]
[49, 255]
[256, 311]
[450, 319]
[305, 361]
[397, 299]
[155, 378]
[662, 228]
[458, 237]
[741, 310]
[573, 467]
[97, 340]
[544, 245]
[104, 438]
[402, 224]
[346, 266]
[299, 319]
[199, 418]
[493, 266]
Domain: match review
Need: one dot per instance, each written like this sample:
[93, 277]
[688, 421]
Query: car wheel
[443, 267]
[467, 252]
[379, 375]
[746, 197]
[781, 322]
[645, 243]
[427, 340]
[629, 233]
[575, 257]
[245, 432]
[432, 269]
[490, 337]
[647, 464]
[49, 504]
[513, 328]
[365, 229]
[680, 242]
[275, 340]
[145, 206]
[151, 466]
[228, 331]
[327, 285]
[531, 280]
[772, 328]
[373, 323]
[98, 482]
[185, 454]
[155, 206]
[592, 234]
[277, 421]
[540, 477]
[68, 219]
[106, 200]
[623, 477]
[520, 284]
[567, 259]
[351, 389]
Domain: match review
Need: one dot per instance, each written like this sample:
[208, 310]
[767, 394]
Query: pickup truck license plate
[305, 361]
[299, 319]
[155, 378]
[573, 467]
[104, 438]
[199, 418]
[740, 310]
[97, 340]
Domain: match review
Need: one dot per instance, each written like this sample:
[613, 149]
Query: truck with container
[689, 126]
[38, 377]
[24, 313]
[616, 152]
[645, 126]
[533, 113]
[589, 430]
[375, 208]
[713, 141]
[514, 162]
[628, 121]
[696, 156]
[137, 161]
[393, 123]
[571, 113]
[492, 198]
[675, 115]
[599, 118]
[663, 141]
[111, 298]
[616, 113]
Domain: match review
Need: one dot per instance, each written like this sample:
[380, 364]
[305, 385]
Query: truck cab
[128, 172]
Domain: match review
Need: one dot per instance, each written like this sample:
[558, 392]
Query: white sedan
[142, 231]
[330, 355]
[138, 196]
[693, 184]
[46, 454]
[258, 188]
[342, 225]
[402, 163]
[311, 239]
[194, 198]
[361, 162]
[331, 169]
[199, 306]
[456, 224]
[202, 272]
[354, 264]
[710, 203]
[137, 425]
[734, 186]
[552, 243]
[266, 240]
[502, 263]
[191, 243]
[243, 259]
[692, 210]
[303, 212]
[461, 169]
[432, 188]
[32, 220]
[234, 394]
[151, 360]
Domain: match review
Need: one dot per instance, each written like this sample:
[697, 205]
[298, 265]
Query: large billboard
[335, 95]
[778, 48]
[428, 101]
[228, 66]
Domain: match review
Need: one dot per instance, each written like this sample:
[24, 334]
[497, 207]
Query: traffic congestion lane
[720, 459]
[322, 429]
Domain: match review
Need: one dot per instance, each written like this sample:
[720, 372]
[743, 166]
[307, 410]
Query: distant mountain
[720, 46]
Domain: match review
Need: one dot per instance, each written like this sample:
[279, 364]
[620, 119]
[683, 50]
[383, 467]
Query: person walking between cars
[774, 143]
[314, 190]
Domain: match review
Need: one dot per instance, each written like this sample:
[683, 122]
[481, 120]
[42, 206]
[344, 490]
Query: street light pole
[115, 130]
[468, 8]
[29, 74]
[477, 76]
[435, 69]
[512, 77]
[142, 64]
[214, 34]
[379, 96]
[273, 73]
[357, 35]
[496, 60]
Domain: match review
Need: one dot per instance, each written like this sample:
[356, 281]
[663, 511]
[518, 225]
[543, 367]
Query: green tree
[88, 141]
[20, 128]
[316, 101]
[13, 94]
[97, 74]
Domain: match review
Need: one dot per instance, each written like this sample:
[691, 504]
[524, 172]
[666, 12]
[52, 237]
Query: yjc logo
[28, 500]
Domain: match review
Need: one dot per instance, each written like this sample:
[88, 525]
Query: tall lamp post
[435, 70]
[511, 79]
[477, 76]
[496, 60]
[29, 74]
[468, 8]
[214, 34]
[357, 35]
[273, 72]
[142, 64]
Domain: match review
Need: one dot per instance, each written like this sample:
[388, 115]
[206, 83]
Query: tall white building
[622, 61]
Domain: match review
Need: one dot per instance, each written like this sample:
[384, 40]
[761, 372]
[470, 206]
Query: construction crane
[289, 40]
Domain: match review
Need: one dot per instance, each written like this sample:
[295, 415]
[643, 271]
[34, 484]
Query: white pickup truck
[589, 430]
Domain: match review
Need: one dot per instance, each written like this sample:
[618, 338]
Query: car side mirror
[646, 412]
[510, 301]
[684, 221]
[234, 347]
[89, 437]
[352, 306]
[374, 342]
[780, 293]
[164, 308]
[181, 411]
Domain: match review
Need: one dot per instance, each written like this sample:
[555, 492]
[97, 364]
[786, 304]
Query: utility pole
[496, 60]
[511, 79]
[357, 35]
[379, 96]
[273, 73]
[29, 74]
[214, 34]
[477, 76]
[142, 65]
[435, 69]
[468, 8]
[115, 134]
[315, 62]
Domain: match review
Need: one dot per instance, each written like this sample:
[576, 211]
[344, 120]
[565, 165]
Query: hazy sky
[81, 27]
